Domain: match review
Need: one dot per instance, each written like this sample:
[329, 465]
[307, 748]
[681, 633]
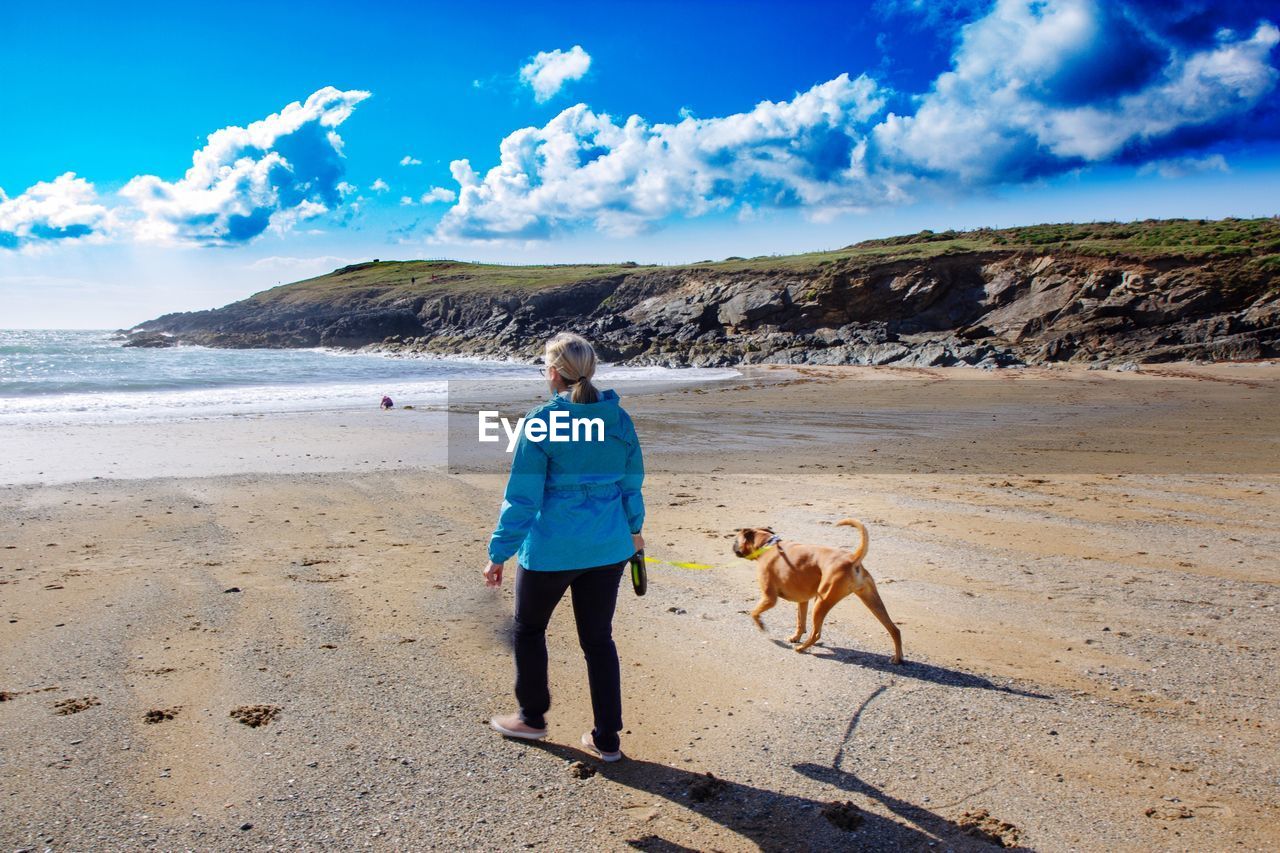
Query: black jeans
[595, 595]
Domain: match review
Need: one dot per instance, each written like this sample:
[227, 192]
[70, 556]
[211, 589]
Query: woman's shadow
[773, 821]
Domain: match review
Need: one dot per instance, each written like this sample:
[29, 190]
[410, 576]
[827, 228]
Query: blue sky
[160, 158]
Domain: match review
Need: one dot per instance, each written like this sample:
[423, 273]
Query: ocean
[50, 377]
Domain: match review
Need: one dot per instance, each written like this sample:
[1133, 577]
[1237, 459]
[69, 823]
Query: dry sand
[1084, 565]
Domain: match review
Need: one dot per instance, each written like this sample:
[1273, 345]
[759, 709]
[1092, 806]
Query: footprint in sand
[254, 716]
[1177, 811]
[160, 715]
[844, 815]
[705, 787]
[67, 707]
[979, 823]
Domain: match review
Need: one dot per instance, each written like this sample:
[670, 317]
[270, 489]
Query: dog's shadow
[771, 820]
[911, 669]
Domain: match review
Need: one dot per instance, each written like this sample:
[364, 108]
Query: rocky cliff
[1143, 292]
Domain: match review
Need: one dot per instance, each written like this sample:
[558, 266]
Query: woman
[572, 516]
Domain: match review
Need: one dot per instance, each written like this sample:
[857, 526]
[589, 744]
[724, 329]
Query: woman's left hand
[493, 575]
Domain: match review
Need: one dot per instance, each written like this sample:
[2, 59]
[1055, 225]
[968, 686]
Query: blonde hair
[574, 359]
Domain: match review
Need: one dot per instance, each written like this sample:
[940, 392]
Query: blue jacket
[572, 504]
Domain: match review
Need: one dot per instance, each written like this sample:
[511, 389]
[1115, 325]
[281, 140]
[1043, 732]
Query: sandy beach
[1083, 564]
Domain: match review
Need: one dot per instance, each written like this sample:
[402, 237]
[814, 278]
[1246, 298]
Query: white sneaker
[512, 726]
[589, 744]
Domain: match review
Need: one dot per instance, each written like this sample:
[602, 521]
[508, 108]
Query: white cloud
[431, 196]
[437, 194]
[1179, 167]
[547, 72]
[1035, 89]
[273, 173]
[1022, 98]
[584, 168]
[463, 173]
[294, 265]
[65, 208]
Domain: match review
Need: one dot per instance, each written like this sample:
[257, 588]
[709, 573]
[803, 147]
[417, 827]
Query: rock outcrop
[149, 340]
[989, 308]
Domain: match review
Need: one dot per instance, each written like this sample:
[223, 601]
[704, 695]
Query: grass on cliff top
[1258, 239]
[1190, 238]
[419, 278]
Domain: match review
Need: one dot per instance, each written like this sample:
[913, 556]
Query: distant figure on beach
[572, 516]
[386, 403]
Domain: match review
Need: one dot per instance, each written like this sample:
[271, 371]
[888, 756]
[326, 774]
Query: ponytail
[582, 391]
[574, 359]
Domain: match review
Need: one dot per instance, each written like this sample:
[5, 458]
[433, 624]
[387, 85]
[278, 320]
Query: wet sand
[1083, 565]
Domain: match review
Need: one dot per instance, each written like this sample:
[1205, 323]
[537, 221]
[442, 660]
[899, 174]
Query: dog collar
[772, 542]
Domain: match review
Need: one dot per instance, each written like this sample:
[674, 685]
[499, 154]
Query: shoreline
[50, 386]
[910, 404]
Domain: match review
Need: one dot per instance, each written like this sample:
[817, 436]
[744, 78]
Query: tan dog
[799, 573]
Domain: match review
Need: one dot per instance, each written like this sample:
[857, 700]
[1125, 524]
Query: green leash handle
[639, 574]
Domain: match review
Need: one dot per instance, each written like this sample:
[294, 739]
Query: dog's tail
[866, 540]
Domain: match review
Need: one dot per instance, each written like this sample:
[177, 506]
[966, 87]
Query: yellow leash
[698, 567]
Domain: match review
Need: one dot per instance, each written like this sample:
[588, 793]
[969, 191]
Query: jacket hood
[607, 407]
